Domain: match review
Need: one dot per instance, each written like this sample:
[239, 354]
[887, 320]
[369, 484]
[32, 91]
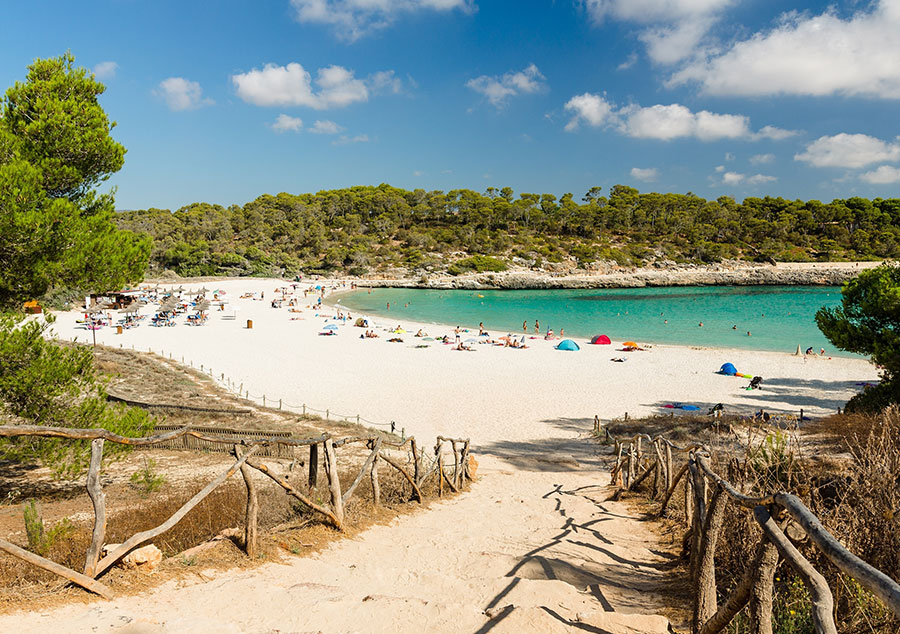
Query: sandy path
[536, 548]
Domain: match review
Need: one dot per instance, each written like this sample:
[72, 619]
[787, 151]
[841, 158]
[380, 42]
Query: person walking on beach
[537, 327]
[456, 332]
[524, 326]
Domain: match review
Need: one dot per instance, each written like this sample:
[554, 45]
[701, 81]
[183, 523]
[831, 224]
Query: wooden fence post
[334, 481]
[705, 603]
[313, 466]
[98, 498]
[250, 518]
[376, 488]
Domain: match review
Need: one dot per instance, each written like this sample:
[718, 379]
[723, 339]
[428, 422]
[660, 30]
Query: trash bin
[249, 324]
[118, 330]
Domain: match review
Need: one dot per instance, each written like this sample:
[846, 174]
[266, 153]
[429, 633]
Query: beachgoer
[537, 327]
[734, 327]
[665, 321]
[748, 334]
[456, 332]
[524, 326]
[701, 324]
[809, 350]
[822, 352]
[481, 328]
[562, 332]
[388, 305]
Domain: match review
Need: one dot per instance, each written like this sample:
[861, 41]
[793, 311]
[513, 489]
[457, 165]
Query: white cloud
[729, 156]
[352, 19]
[775, 134]
[291, 85]
[418, 173]
[884, 175]
[182, 94]
[849, 150]
[671, 44]
[762, 159]
[661, 122]
[646, 11]
[677, 121]
[813, 55]
[648, 175]
[347, 140]
[105, 70]
[760, 179]
[287, 123]
[385, 82]
[735, 178]
[720, 168]
[672, 29]
[326, 127]
[498, 89]
[630, 61]
[593, 110]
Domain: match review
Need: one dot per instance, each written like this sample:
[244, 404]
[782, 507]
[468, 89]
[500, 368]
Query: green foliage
[772, 461]
[478, 264]
[146, 479]
[367, 229]
[56, 230]
[868, 322]
[44, 383]
[792, 608]
[40, 538]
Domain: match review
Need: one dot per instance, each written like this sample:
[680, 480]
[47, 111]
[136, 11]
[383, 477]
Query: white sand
[533, 532]
[494, 395]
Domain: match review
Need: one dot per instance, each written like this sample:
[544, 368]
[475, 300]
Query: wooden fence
[416, 469]
[226, 437]
[707, 496]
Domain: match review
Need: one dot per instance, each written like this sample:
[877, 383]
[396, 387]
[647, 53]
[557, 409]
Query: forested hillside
[361, 230]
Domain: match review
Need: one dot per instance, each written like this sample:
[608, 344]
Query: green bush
[41, 539]
[146, 479]
[478, 264]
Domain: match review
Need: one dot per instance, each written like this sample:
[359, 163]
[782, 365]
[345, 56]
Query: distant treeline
[365, 229]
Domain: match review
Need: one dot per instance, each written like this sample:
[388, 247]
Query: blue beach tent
[567, 344]
[728, 369]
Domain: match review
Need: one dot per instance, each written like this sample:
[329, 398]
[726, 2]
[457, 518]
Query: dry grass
[856, 496]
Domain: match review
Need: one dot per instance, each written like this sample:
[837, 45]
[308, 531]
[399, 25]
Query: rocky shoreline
[743, 274]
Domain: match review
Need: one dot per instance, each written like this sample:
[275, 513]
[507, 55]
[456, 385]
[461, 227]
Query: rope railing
[707, 496]
[417, 471]
[237, 389]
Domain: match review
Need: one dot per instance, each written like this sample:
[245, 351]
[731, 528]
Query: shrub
[478, 264]
[146, 479]
[40, 539]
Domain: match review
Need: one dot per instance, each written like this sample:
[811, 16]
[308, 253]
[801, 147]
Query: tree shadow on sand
[575, 452]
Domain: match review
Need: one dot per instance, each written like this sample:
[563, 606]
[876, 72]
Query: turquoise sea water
[778, 317]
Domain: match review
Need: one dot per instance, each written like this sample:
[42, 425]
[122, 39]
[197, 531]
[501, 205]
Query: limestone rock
[146, 558]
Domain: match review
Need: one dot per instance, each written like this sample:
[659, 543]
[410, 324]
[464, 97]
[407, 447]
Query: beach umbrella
[203, 306]
[600, 340]
[330, 327]
[93, 310]
[630, 344]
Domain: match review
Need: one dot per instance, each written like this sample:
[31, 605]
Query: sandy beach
[497, 396]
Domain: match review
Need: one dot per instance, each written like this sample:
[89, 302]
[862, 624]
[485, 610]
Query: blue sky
[223, 101]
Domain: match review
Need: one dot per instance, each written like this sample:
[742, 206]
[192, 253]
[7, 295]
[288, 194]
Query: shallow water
[778, 317]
